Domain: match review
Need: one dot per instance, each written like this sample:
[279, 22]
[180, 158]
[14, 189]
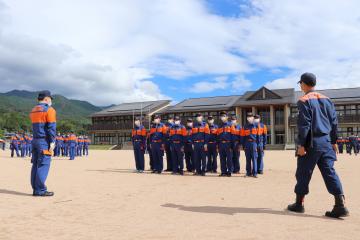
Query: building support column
[272, 124]
[238, 112]
[253, 109]
[286, 120]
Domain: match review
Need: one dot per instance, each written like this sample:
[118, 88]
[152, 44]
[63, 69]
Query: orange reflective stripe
[220, 131]
[143, 132]
[313, 95]
[246, 132]
[172, 132]
[254, 131]
[213, 131]
[184, 132]
[242, 132]
[51, 115]
[195, 130]
[207, 129]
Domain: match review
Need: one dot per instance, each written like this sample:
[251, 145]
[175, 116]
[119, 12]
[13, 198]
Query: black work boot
[339, 209]
[298, 206]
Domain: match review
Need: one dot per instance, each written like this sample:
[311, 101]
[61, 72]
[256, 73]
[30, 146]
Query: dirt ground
[99, 197]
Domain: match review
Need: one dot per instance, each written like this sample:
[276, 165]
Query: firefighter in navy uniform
[200, 138]
[157, 143]
[348, 146]
[168, 125]
[261, 144]
[340, 143]
[177, 140]
[43, 119]
[353, 144]
[236, 144]
[226, 135]
[138, 138]
[250, 136]
[212, 146]
[188, 148]
[317, 135]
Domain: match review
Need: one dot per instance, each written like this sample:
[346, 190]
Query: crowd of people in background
[351, 144]
[199, 143]
[66, 145]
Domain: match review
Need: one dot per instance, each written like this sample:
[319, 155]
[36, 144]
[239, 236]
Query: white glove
[52, 147]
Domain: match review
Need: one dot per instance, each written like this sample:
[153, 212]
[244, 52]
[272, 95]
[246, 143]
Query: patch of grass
[100, 147]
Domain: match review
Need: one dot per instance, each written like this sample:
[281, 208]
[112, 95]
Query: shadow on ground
[187, 174]
[237, 210]
[10, 192]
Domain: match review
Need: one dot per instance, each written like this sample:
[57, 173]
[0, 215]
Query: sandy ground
[98, 197]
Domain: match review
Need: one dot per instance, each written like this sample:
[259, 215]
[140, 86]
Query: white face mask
[189, 124]
[233, 122]
[256, 120]
[224, 119]
[137, 123]
[199, 119]
[177, 122]
[211, 122]
[49, 103]
[157, 121]
[250, 119]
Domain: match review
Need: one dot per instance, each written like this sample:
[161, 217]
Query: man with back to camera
[43, 118]
[317, 127]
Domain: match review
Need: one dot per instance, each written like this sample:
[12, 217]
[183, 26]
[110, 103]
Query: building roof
[133, 108]
[265, 96]
[340, 95]
[204, 104]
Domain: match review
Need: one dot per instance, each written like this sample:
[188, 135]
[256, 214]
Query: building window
[265, 115]
[279, 137]
[279, 116]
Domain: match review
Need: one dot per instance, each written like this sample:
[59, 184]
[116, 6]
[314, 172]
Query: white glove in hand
[52, 147]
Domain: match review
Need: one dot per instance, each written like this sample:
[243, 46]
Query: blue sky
[139, 50]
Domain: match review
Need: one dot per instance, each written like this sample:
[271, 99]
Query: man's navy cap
[156, 116]
[308, 78]
[137, 118]
[176, 118]
[189, 120]
[250, 114]
[170, 118]
[44, 94]
[198, 115]
[223, 114]
[256, 116]
[233, 117]
[210, 117]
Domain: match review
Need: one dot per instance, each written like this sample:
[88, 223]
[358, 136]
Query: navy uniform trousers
[189, 156]
[212, 157]
[226, 158]
[236, 157]
[324, 158]
[40, 166]
[251, 158]
[139, 151]
[177, 156]
[260, 158]
[199, 157]
[157, 154]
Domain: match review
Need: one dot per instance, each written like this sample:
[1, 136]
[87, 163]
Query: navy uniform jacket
[213, 133]
[317, 120]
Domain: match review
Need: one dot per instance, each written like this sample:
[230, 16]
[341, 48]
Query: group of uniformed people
[352, 144]
[21, 145]
[200, 143]
[69, 145]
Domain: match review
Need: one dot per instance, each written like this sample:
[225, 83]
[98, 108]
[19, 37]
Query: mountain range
[22, 101]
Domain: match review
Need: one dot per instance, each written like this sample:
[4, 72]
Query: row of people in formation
[65, 145]
[352, 144]
[200, 143]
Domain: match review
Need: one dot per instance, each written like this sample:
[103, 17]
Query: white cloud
[317, 36]
[109, 51]
[218, 83]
